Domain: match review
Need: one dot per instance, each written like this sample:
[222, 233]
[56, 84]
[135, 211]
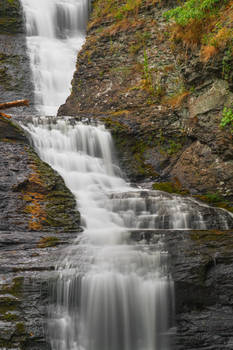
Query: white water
[111, 294]
[55, 33]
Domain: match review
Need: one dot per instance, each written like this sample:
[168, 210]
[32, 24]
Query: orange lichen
[35, 201]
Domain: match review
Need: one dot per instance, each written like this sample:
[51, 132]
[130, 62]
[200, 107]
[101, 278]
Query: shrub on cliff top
[204, 23]
[192, 9]
[227, 119]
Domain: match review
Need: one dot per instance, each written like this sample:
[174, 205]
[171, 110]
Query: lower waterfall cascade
[111, 293]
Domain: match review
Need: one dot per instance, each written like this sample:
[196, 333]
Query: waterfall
[111, 293]
[55, 32]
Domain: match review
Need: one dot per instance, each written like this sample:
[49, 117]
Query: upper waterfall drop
[55, 33]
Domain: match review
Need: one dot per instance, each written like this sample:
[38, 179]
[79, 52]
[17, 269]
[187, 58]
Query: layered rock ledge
[38, 217]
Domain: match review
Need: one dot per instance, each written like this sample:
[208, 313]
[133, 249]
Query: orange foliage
[211, 34]
[35, 202]
[122, 26]
[176, 100]
[207, 52]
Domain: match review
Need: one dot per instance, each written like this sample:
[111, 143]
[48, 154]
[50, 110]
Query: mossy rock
[11, 17]
[15, 288]
[46, 242]
[57, 202]
[169, 187]
[130, 150]
[11, 132]
[216, 200]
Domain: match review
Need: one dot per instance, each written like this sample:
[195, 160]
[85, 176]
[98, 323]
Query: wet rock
[199, 169]
[30, 192]
[11, 17]
[201, 265]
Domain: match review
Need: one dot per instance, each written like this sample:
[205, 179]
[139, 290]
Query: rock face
[201, 266]
[162, 98]
[164, 107]
[38, 216]
[15, 74]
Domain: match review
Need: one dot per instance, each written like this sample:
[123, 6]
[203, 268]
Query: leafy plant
[226, 63]
[191, 9]
[227, 118]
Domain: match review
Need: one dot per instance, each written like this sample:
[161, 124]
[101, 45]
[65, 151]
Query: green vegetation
[48, 201]
[227, 119]
[206, 24]
[192, 9]
[129, 7]
[15, 288]
[227, 63]
[216, 200]
[11, 21]
[170, 187]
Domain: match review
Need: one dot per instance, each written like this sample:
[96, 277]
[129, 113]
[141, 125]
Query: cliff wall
[162, 100]
[15, 73]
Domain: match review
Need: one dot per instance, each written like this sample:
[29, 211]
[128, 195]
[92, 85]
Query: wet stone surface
[29, 255]
[201, 266]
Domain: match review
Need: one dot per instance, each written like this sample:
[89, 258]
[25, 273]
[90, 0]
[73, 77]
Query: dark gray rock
[201, 264]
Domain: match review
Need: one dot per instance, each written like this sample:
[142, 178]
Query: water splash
[55, 33]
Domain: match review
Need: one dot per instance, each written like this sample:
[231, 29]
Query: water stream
[55, 33]
[110, 293]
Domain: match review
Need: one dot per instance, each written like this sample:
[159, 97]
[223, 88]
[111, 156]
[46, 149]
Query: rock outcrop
[162, 97]
[15, 73]
[201, 266]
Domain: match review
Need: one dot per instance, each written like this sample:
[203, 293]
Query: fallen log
[17, 103]
[5, 115]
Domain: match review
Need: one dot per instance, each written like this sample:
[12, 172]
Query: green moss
[215, 199]
[126, 144]
[10, 25]
[168, 146]
[50, 241]
[170, 188]
[58, 204]
[15, 288]
[11, 19]
[8, 64]
[9, 317]
[20, 328]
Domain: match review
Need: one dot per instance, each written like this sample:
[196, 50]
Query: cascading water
[112, 294]
[55, 32]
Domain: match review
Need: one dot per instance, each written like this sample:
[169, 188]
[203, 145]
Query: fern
[192, 9]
